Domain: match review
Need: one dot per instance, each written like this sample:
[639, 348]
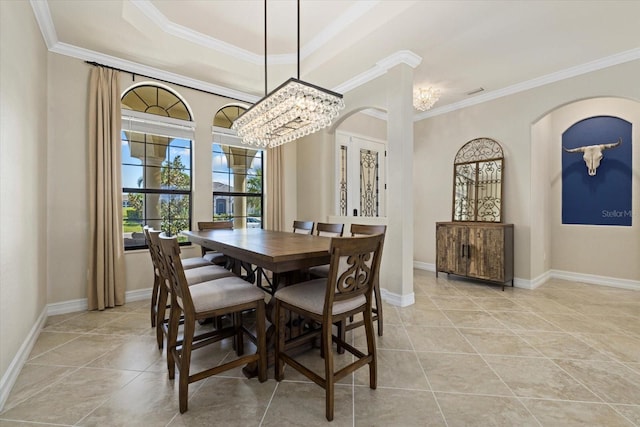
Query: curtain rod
[95, 64]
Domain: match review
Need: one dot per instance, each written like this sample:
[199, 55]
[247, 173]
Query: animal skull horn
[593, 154]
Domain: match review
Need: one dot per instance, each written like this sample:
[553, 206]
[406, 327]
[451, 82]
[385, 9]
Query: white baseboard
[11, 375]
[396, 299]
[591, 279]
[82, 304]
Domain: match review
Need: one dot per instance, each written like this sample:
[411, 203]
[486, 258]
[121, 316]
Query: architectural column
[398, 244]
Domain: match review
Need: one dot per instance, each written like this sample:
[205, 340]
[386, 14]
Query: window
[236, 174]
[156, 163]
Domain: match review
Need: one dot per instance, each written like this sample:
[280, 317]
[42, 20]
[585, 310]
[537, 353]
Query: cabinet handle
[469, 251]
[463, 246]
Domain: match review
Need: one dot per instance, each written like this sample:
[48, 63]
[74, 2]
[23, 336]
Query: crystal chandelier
[293, 110]
[423, 99]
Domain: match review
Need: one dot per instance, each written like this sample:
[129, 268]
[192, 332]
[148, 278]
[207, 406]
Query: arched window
[236, 174]
[157, 134]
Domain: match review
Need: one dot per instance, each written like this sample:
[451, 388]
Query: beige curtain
[106, 280]
[275, 189]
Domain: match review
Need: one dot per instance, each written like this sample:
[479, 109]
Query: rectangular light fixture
[291, 111]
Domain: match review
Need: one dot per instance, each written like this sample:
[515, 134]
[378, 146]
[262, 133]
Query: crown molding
[185, 33]
[338, 25]
[599, 64]
[381, 67]
[136, 68]
[43, 17]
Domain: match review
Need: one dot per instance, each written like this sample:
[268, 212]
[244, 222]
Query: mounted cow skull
[593, 154]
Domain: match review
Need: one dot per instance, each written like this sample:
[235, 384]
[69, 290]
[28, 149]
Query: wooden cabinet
[477, 250]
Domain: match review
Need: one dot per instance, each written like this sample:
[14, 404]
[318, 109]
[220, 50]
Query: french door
[360, 175]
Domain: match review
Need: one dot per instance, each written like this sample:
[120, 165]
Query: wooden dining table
[278, 252]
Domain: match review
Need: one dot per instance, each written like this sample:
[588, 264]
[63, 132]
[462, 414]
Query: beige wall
[23, 165]
[509, 120]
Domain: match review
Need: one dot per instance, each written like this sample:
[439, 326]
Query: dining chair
[347, 291]
[367, 230]
[327, 230]
[188, 263]
[192, 275]
[215, 257]
[303, 227]
[225, 296]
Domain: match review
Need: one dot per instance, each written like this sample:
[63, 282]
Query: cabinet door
[450, 240]
[486, 253]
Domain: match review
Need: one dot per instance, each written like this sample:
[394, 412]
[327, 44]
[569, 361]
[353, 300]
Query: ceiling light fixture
[423, 99]
[293, 110]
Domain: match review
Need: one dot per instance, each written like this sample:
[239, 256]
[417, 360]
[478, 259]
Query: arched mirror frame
[477, 182]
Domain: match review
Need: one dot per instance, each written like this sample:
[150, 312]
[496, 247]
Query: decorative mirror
[477, 181]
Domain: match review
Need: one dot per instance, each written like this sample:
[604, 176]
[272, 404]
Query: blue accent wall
[603, 199]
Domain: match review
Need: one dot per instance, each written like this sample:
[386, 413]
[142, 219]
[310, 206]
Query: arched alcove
[589, 253]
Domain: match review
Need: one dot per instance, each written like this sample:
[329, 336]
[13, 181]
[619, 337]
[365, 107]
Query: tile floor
[565, 354]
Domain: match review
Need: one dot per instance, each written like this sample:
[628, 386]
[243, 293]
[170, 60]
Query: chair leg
[239, 336]
[376, 289]
[328, 370]
[160, 315]
[172, 339]
[185, 362]
[262, 341]
[342, 334]
[154, 299]
[279, 321]
[371, 348]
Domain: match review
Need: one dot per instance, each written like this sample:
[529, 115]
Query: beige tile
[477, 289]
[499, 304]
[49, 340]
[390, 314]
[455, 303]
[303, 404]
[80, 351]
[397, 369]
[620, 347]
[422, 301]
[226, 402]
[540, 378]
[127, 324]
[523, 321]
[574, 414]
[32, 380]
[462, 373]
[561, 345]
[495, 341]
[150, 399]
[72, 398]
[472, 319]
[474, 410]
[630, 412]
[418, 316]
[395, 338]
[393, 407]
[578, 323]
[438, 339]
[86, 322]
[611, 381]
[544, 305]
[134, 354]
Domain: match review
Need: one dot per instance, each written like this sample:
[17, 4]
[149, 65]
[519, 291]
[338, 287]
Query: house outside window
[157, 144]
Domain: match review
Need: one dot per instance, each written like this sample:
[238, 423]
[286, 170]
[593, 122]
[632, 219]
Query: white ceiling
[501, 46]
